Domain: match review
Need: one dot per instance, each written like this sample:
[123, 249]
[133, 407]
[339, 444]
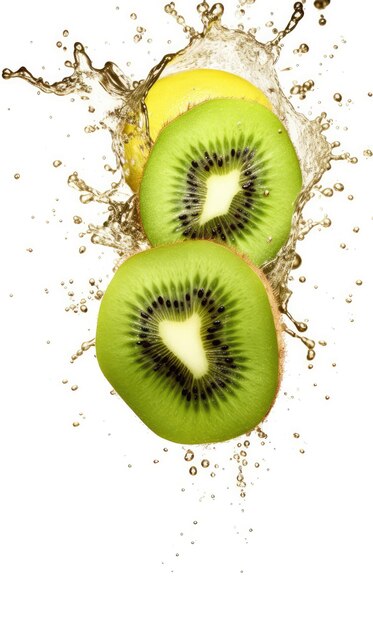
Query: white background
[92, 531]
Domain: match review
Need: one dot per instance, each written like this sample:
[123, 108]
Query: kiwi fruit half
[173, 95]
[225, 170]
[188, 336]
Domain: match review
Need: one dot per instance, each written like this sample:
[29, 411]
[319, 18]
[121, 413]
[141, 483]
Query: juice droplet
[337, 97]
[189, 455]
[57, 163]
[338, 187]
[65, 33]
[193, 470]
[75, 424]
[322, 20]
[205, 463]
[359, 282]
[368, 153]
[297, 261]
[321, 4]
[17, 176]
[261, 434]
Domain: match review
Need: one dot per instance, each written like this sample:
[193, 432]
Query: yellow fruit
[173, 95]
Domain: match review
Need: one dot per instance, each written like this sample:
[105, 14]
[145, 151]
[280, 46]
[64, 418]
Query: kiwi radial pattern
[225, 170]
[187, 336]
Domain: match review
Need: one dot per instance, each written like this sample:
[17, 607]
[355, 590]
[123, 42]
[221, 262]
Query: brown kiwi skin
[276, 316]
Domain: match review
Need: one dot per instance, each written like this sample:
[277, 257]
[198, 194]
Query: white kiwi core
[184, 340]
[221, 189]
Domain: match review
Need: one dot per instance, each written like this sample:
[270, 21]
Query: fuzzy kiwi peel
[188, 335]
[225, 170]
[172, 95]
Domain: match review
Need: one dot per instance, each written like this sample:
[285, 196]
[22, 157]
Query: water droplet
[75, 424]
[193, 470]
[205, 463]
[57, 163]
[337, 97]
[189, 455]
[338, 187]
[321, 4]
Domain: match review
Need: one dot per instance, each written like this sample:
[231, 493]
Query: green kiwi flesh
[187, 336]
[225, 170]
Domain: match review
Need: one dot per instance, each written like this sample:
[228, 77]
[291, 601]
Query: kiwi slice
[188, 337]
[225, 170]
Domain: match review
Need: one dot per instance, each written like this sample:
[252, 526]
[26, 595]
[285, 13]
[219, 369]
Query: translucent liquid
[119, 102]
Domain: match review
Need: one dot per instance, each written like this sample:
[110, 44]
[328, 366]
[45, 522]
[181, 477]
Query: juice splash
[117, 101]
